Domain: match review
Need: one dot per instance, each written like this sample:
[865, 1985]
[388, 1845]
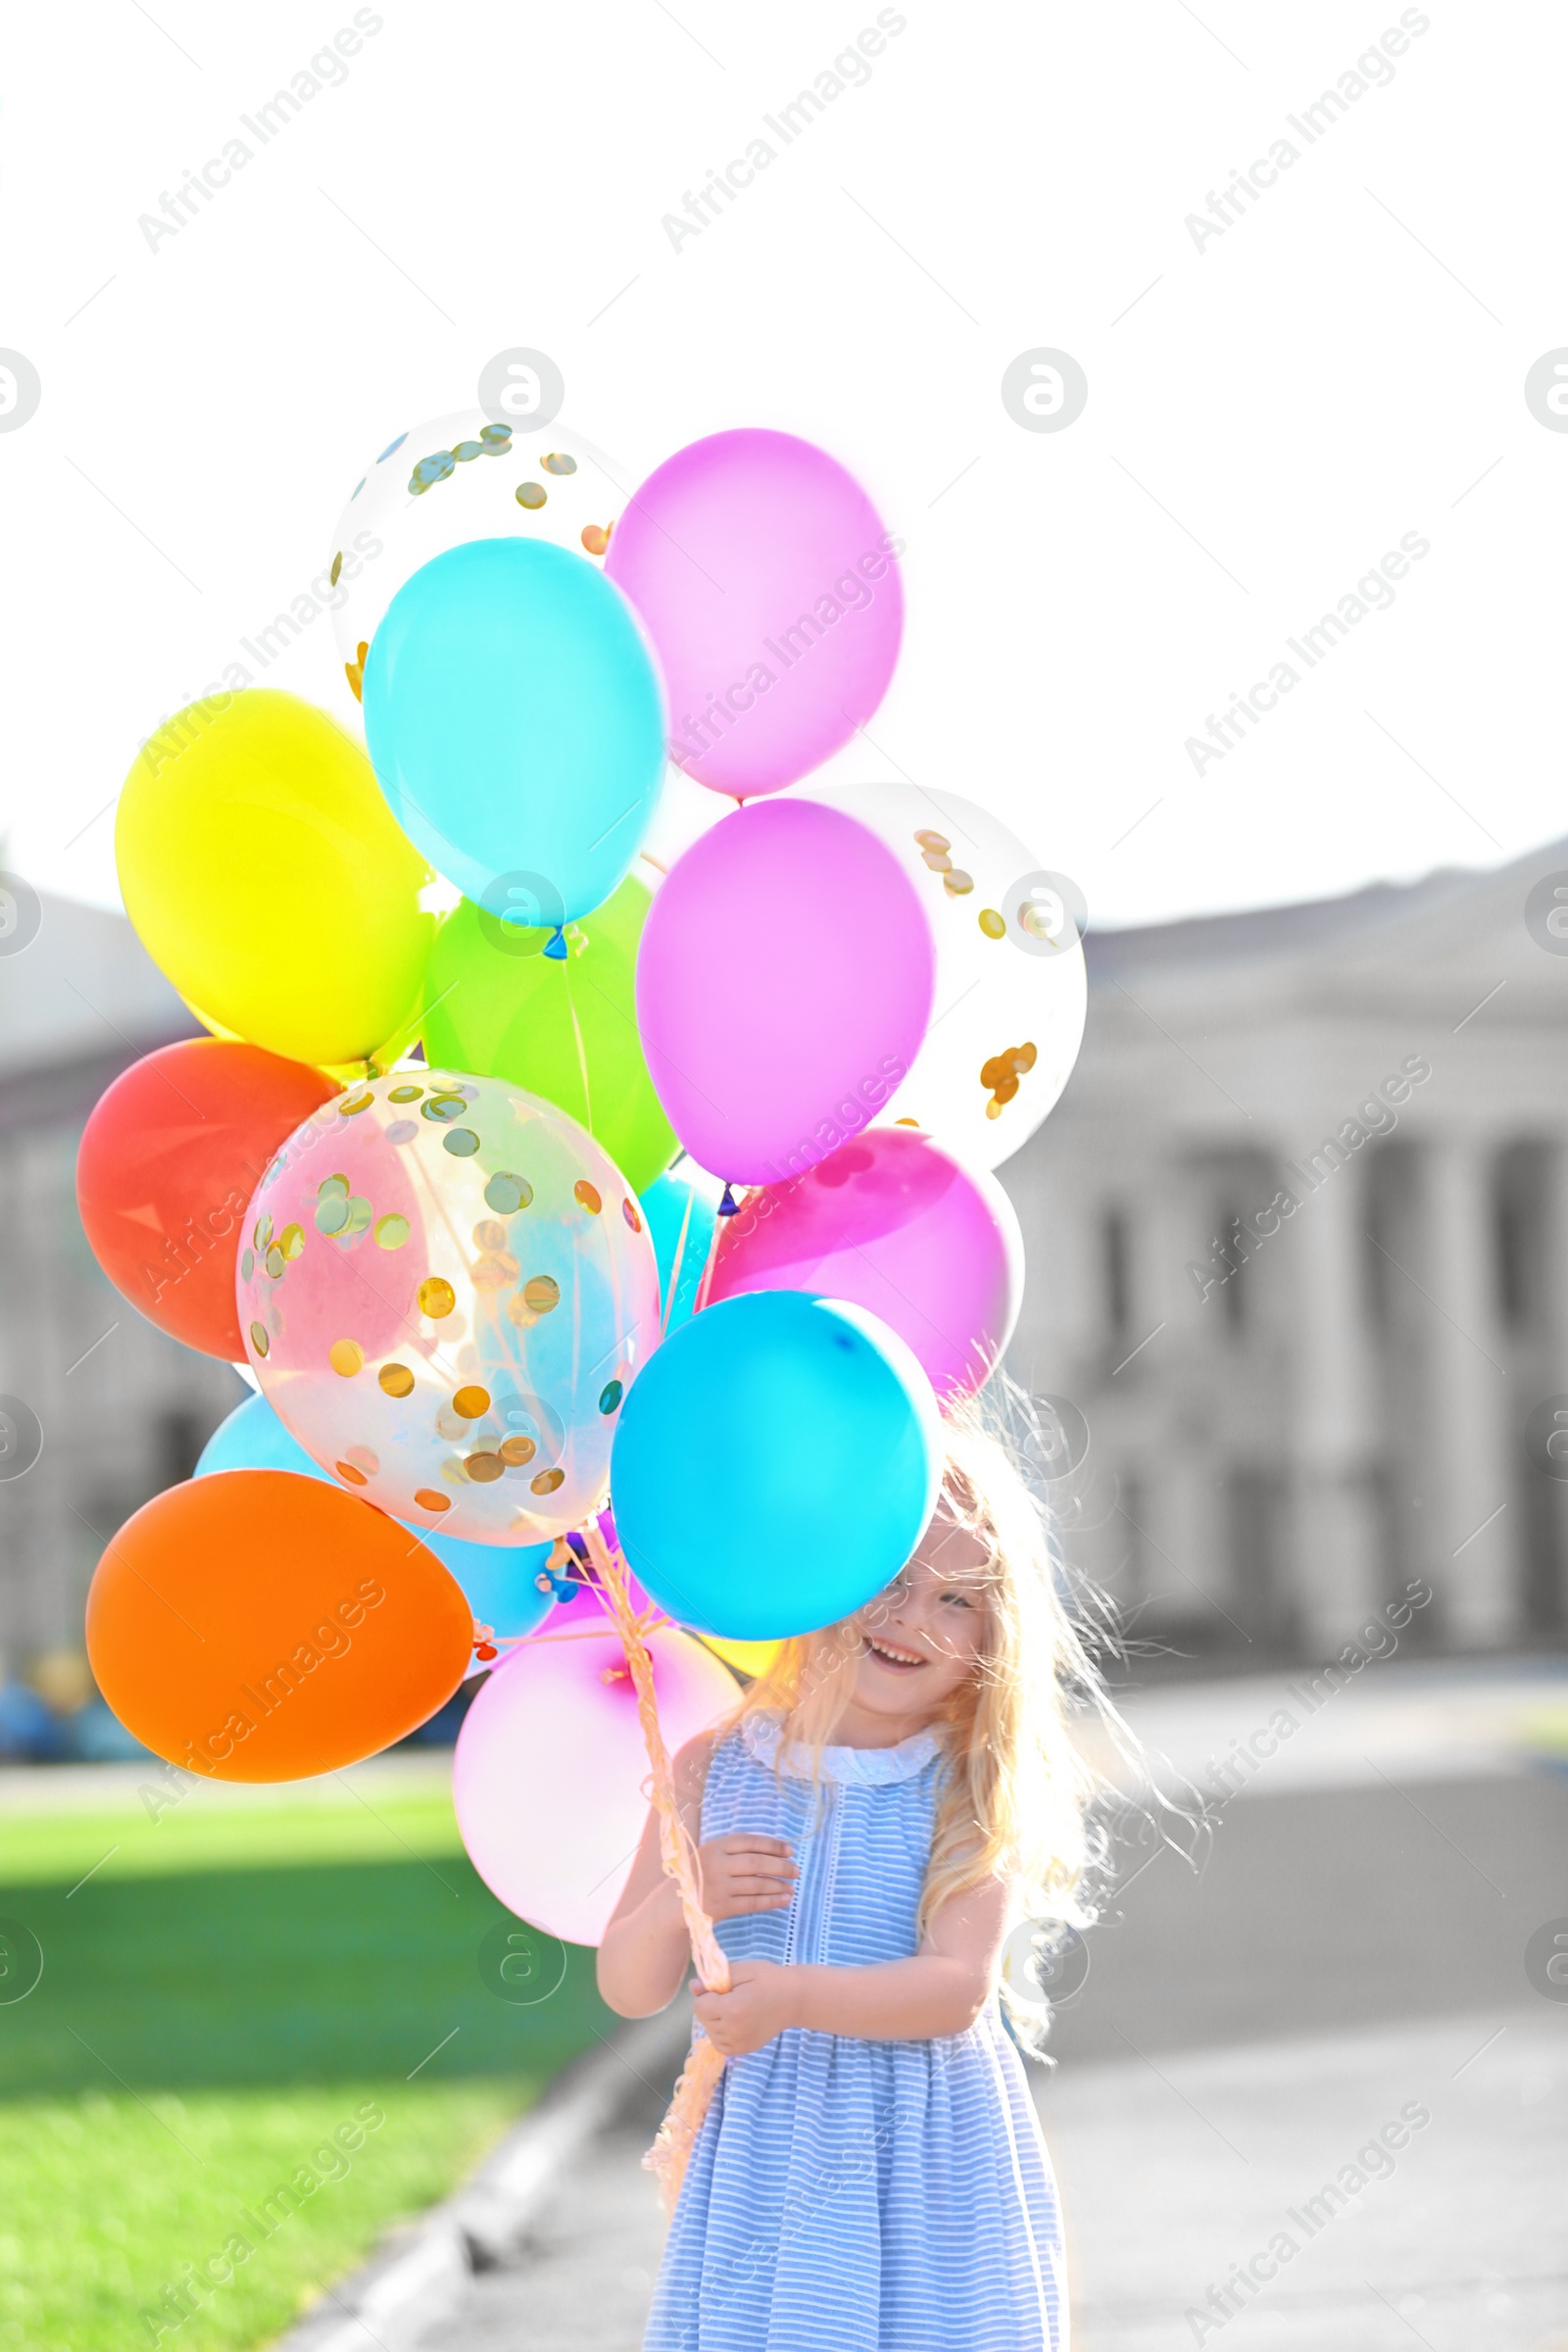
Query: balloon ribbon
[667, 2158]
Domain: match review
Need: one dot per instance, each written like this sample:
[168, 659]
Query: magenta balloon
[550, 1769]
[783, 987]
[893, 1223]
[771, 589]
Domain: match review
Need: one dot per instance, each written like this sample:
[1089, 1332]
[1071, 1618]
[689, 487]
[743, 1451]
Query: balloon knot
[485, 1650]
[729, 1207]
[558, 1570]
[556, 944]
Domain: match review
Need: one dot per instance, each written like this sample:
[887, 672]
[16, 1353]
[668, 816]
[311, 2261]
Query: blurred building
[120, 1410]
[1297, 1240]
[1299, 1267]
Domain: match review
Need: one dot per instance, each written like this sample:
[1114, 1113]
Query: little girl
[895, 1796]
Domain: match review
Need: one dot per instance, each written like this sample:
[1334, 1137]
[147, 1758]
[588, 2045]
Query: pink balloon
[783, 987]
[893, 1223]
[550, 1769]
[771, 589]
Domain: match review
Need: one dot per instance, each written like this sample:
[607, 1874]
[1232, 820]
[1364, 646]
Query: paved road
[586, 2273]
[1249, 2021]
[1171, 2178]
[1312, 1910]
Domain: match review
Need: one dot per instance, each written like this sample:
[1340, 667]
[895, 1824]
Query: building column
[1337, 1572]
[1470, 1509]
[1187, 1558]
[1550, 1500]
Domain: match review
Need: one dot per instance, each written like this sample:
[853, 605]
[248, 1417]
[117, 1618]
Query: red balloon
[167, 1164]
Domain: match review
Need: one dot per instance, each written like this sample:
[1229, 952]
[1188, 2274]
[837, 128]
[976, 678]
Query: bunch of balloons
[615, 1236]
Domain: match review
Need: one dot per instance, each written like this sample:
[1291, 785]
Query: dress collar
[855, 1767]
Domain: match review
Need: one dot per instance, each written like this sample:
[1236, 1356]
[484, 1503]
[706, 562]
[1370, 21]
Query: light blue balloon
[776, 1463]
[497, 1579]
[253, 1438]
[516, 720]
[666, 1205]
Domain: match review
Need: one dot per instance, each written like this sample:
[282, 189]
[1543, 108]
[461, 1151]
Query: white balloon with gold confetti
[1011, 991]
[457, 479]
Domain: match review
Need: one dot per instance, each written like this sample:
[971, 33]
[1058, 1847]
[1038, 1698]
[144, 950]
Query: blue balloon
[516, 720]
[680, 1226]
[253, 1438]
[776, 1463]
[497, 1580]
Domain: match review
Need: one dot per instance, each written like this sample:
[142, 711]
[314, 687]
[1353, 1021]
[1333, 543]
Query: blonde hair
[1017, 1800]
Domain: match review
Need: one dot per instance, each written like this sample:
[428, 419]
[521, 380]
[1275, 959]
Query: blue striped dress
[847, 2196]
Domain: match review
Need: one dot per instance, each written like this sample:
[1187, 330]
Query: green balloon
[498, 1006]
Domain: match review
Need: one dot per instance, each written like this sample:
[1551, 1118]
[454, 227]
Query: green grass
[229, 1987]
[103, 2211]
[206, 1831]
[1546, 1729]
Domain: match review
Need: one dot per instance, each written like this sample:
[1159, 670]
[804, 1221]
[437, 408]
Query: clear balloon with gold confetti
[456, 478]
[445, 1289]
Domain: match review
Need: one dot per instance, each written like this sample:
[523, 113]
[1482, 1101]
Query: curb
[419, 2272]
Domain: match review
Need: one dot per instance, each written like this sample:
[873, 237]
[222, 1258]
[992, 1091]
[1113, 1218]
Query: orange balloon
[258, 1626]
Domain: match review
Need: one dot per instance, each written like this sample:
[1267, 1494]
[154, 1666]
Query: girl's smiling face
[920, 1639]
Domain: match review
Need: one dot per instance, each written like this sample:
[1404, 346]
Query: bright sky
[1272, 406]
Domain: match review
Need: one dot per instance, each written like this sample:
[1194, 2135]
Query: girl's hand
[760, 2004]
[746, 1872]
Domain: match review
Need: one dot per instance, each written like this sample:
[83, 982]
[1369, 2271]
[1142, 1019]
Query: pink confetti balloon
[445, 1289]
[893, 1223]
[771, 593]
[551, 1766]
[783, 987]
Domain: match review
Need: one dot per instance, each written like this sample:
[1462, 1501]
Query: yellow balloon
[752, 1657]
[266, 877]
[347, 1073]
